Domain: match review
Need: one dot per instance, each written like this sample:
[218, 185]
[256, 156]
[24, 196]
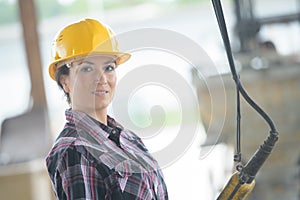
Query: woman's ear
[64, 80]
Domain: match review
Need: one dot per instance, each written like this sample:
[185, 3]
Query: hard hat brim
[121, 57]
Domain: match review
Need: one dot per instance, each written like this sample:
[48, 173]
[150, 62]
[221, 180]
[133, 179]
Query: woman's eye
[86, 69]
[110, 67]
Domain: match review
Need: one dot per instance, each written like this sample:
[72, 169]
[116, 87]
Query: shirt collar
[84, 121]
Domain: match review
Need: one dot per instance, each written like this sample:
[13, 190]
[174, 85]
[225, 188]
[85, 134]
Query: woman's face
[91, 83]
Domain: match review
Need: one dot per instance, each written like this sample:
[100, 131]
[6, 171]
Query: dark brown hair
[63, 70]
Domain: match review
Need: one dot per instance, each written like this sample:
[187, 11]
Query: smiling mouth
[100, 92]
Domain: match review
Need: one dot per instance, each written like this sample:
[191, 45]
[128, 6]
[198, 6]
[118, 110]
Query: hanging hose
[242, 182]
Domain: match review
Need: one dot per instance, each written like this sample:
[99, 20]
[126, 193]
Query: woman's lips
[100, 92]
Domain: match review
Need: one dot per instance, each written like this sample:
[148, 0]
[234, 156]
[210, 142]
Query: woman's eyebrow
[110, 61]
[87, 62]
[92, 63]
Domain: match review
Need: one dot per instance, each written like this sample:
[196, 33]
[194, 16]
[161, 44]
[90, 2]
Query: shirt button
[113, 131]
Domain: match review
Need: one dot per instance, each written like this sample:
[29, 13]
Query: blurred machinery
[25, 138]
[275, 86]
[247, 25]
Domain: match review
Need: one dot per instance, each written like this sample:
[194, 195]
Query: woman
[95, 157]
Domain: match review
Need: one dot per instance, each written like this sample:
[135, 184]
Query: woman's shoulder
[75, 141]
[65, 141]
[68, 148]
[67, 137]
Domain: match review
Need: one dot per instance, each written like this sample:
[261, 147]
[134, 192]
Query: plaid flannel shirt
[85, 164]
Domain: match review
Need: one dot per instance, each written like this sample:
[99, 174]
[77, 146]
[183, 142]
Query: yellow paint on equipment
[234, 190]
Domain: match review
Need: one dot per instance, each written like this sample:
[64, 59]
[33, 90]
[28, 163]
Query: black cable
[247, 173]
[223, 29]
[238, 155]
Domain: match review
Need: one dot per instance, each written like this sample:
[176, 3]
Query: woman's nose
[101, 78]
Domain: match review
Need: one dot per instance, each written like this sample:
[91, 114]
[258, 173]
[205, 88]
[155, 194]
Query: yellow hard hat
[83, 38]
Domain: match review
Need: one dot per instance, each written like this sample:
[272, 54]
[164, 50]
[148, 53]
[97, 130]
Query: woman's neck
[99, 115]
